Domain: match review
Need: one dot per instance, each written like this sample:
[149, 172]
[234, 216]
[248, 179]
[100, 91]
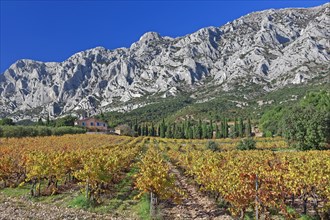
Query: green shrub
[44, 131]
[213, 146]
[33, 131]
[268, 134]
[307, 128]
[246, 144]
[67, 130]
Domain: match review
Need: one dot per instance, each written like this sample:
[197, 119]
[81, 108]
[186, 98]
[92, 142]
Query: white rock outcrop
[272, 47]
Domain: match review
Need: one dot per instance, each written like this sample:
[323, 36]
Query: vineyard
[176, 178]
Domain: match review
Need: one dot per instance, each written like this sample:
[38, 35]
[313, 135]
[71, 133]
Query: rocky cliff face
[271, 48]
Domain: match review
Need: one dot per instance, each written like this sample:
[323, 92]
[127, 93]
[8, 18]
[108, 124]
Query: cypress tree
[152, 130]
[204, 130]
[183, 130]
[235, 132]
[47, 120]
[158, 131]
[136, 126]
[195, 132]
[139, 130]
[240, 127]
[187, 130]
[40, 122]
[146, 130]
[190, 132]
[199, 130]
[102, 116]
[211, 130]
[248, 129]
[225, 128]
[169, 133]
[173, 130]
[217, 132]
[162, 129]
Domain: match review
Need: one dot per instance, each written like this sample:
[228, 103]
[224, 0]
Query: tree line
[61, 126]
[305, 125]
[189, 129]
[60, 122]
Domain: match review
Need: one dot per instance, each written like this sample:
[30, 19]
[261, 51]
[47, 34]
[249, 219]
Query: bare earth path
[19, 208]
[195, 205]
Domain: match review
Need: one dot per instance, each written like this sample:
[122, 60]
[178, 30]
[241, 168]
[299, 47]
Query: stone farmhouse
[92, 124]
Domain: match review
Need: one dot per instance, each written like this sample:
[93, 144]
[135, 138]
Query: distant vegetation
[33, 131]
[189, 129]
[230, 105]
[60, 126]
[303, 121]
[305, 125]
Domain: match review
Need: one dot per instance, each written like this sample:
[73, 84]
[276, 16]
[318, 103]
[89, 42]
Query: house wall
[92, 123]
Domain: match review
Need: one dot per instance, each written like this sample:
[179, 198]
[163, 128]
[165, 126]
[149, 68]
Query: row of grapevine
[228, 143]
[96, 165]
[154, 178]
[281, 177]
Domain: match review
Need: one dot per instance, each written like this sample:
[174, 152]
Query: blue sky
[54, 30]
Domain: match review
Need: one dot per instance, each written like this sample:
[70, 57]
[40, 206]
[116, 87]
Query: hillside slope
[262, 51]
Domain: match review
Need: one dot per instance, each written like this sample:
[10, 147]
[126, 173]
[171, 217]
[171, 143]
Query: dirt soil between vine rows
[21, 209]
[195, 205]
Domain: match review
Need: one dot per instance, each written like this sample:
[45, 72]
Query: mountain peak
[150, 36]
[269, 50]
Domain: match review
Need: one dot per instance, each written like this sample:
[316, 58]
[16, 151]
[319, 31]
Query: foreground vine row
[260, 180]
[282, 178]
[94, 162]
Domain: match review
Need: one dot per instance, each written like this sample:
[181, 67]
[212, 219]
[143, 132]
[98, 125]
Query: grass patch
[16, 192]
[142, 208]
[120, 203]
[51, 199]
[307, 217]
[249, 215]
[79, 202]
